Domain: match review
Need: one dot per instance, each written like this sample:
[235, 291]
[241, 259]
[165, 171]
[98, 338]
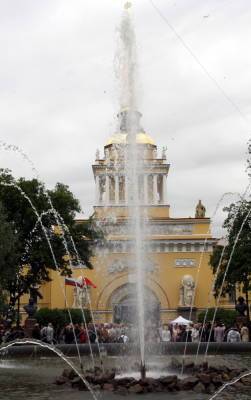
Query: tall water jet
[133, 158]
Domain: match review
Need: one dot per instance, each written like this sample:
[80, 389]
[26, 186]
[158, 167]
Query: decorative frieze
[155, 229]
[158, 246]
[185, 262]
[119, 265]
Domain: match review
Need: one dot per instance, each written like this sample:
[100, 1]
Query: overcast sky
[59, 100]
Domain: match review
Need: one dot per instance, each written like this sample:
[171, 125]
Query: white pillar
[164, 189]
[97, 190]
[107, 190]
[155, 189]
[126, 189]
[145, 189]
[116, 189]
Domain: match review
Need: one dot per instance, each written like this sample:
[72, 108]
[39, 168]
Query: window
[197, 247]
[188, 246]
[171, 247]
[180, 247]
[162, 247]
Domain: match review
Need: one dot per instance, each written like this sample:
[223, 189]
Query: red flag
[76, 282]
[88, 282]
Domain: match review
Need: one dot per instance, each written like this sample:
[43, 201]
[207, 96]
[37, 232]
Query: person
[208, 333]
[175, 332]
[219, 332]
[165, 334]
[244, 333]
[111, 333]
[182, 334]
[68, 334]
[91, 333]
[195, 335]
[233, 335]
[123, 338]
[83, 338]
[189, 330]
[47, 333]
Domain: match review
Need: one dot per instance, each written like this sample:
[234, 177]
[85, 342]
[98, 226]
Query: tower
[110, 173]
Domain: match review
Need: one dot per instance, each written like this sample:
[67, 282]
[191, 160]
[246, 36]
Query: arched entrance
[123, 302]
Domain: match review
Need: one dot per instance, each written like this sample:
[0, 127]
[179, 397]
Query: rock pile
[202, 379]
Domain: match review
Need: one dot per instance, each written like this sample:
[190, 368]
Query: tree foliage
[39, 233]
[59, 317]
[228, 317]
[236, 257]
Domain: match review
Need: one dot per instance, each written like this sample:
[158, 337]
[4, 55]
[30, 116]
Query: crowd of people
[125, 333]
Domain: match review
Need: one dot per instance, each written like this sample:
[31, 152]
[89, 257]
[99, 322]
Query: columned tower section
[110, 173]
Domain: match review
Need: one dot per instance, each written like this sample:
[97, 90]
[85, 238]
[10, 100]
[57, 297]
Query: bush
[228, 317]
[59, 317]
[3, 304]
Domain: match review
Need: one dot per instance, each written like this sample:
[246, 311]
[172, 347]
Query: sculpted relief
[186, 291]
[123, 265]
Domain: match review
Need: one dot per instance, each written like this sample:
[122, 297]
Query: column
[97, 190]
[155, 189]
[145, 189]
[164, 189]
[107, 190]
[116, 177]
[126, 189]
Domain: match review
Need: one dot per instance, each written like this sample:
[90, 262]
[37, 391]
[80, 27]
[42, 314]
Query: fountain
[134, 160]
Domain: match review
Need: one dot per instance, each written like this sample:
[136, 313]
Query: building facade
[177, 250]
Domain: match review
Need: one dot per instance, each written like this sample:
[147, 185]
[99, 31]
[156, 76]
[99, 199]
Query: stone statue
[79, 295]
[31, 308]
[241, 306]
[102, 189]
[200, 211]
[97, 154]
[186, 291]
[164, 149]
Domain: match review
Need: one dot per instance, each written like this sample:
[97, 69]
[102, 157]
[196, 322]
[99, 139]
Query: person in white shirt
[165, 334]
[233, 335]
[47, 333]
[195, 334]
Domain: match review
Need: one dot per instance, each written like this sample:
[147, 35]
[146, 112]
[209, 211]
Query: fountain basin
[119, 349]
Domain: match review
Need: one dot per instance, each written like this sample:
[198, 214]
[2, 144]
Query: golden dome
[121, 138]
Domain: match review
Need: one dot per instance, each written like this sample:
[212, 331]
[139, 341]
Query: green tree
[28, 254]
[236, 257]
[228, 317]
[59, 317]
[8, 255]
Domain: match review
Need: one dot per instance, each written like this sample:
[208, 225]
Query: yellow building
[175, 247]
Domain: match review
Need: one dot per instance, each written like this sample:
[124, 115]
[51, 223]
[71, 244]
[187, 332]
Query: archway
[123, 302]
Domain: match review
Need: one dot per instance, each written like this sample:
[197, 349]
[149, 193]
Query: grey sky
[59, 100]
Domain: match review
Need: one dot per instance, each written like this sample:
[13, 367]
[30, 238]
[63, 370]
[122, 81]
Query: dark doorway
[127, 313]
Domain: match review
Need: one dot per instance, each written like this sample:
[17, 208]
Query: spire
[129, 118]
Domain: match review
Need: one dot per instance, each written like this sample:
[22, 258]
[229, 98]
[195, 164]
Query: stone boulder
[136, 388]
[199, 388]
[189, 382]
[108, 387]
[69, 373]
[61, 380]
[168, 380]
[204, 378]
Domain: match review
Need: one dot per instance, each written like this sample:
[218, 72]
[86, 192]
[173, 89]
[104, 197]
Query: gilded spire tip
[127, 5]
